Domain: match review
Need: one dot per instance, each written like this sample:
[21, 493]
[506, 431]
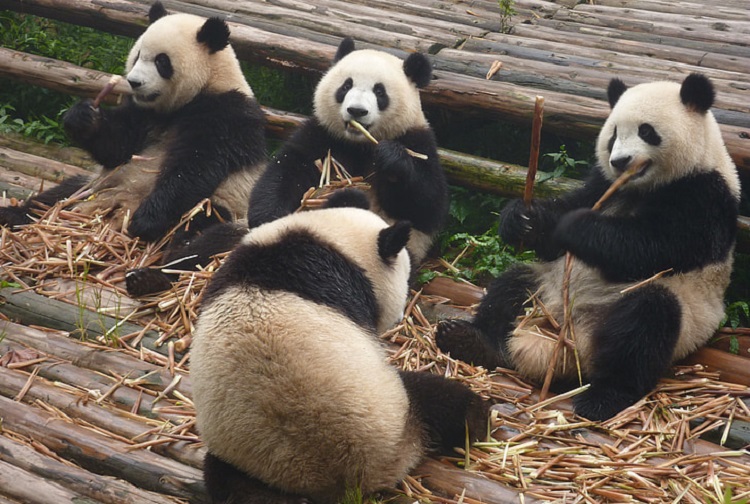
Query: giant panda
[191, 130]
[381, 92]
[294, 396]
[679, 214]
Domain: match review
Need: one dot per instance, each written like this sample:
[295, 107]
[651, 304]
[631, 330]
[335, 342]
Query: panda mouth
[147, 98]
[354, 130]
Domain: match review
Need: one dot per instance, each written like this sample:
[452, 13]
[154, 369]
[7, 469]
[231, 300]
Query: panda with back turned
[381, 92]
[191, 130]
[294, 396]
[678, 216]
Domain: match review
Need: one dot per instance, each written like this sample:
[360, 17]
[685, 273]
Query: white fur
[195, 68]
[368, 67]
[291, 391]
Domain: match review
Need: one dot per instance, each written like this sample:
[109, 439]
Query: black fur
[445, 408]
[302, 264]
[214, 34]
[418, 69]
[348, 198]
[406, 188]
[225, 484]
[345, 47]
[157, 11]
[393, 239]
[20, 215]
[614, 91]
[633, 347]
[697, 92]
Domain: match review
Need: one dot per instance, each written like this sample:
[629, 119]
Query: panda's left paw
[570, 225]
[600, 402]
[393, 163]
[147, 226]
[144, 281]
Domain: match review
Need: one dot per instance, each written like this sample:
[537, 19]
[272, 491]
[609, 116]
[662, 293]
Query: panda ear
[345, 47]
[418, 69]
[614, 91]
[157, 11]
[348, 198]
[697, 93]
[214, 34]
[393, 239]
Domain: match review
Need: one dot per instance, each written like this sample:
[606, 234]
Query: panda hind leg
[483, 341]
[445, 408]
[225, 484]
[18, 216]
[186, 253]
[632, 349]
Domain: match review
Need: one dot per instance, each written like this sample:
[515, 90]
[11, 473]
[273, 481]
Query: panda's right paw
[600, 402]
[144, 281]
[466, 342]
[82, 120]
[14, 216]
[519, 223]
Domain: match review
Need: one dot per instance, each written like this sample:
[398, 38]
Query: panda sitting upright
[380, 91]
[679, 214]
[191, 130]
[294, 396]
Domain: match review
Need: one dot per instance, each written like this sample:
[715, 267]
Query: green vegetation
[506, 14]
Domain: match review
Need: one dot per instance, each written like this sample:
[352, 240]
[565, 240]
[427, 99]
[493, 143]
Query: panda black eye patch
[343, 89]
[164, 65]
[648, 134]
[612, 139]
[381, 95]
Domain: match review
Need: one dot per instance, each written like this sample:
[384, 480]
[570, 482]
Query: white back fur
[195, 68]
[367, 67]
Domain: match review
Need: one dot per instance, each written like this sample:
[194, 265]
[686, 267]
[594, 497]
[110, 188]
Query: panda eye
[379, 90]
[164, 65]
[648, 134]
[612, 139]
[381, 96]
[343, 89]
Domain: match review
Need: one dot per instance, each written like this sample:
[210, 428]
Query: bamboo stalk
[536, 135]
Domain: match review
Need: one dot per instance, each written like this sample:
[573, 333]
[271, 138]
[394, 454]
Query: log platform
[95, 387]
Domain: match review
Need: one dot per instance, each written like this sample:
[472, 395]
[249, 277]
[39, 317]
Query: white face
[371, 88]
[167, 67]
[650, 124]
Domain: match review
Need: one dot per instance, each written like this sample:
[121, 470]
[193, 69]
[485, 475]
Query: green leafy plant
[562, 164]
[506, 14]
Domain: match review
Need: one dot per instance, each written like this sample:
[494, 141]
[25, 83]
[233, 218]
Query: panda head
[667, 126]
[363, 238]
[377, 89]
[180, 56]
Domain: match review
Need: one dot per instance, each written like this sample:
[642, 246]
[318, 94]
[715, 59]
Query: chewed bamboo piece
[567, 325]
[536, 135]
[374, 140]
[108, 87]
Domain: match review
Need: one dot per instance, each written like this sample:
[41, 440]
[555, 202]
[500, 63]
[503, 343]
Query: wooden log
[104, 489]
[18, 185]
[67, 155]
[718, 10]
[34, 309]
[96, 358]
[36, 166]
[103, 455]
[32, 489]
[109, 419]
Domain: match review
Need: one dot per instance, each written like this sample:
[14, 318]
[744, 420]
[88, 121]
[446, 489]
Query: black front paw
[144, 281]
[393, 163]
[466, 342]
[569, 227]
[521, 224]
[600, 402]
[82, 121]
[144, 224]
[13, 216]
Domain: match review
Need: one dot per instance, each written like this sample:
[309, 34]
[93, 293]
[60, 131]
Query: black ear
[345, 47]
[348, 198]
[418, 69]
[157, 11]
[697, 93]
[214, 34]
[393, 239]
[614, 91]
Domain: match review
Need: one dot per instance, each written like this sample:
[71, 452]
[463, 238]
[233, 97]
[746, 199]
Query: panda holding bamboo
[191, 130]
[673, 226]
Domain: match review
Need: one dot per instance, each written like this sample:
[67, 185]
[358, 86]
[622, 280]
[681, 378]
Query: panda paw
[464, 341]
[147, 226]
[393, 163]
[520, 223]
[82, 120]
[600, 403]
[144, 281]
[14, 216]
[571, 223]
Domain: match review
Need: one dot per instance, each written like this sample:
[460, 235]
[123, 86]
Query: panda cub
[678, 215]
[294, 396]
[191, 130]
[381, 92]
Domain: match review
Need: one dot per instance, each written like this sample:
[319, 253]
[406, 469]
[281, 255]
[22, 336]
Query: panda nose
[134, 83]
[356, 112]
[621, 163]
